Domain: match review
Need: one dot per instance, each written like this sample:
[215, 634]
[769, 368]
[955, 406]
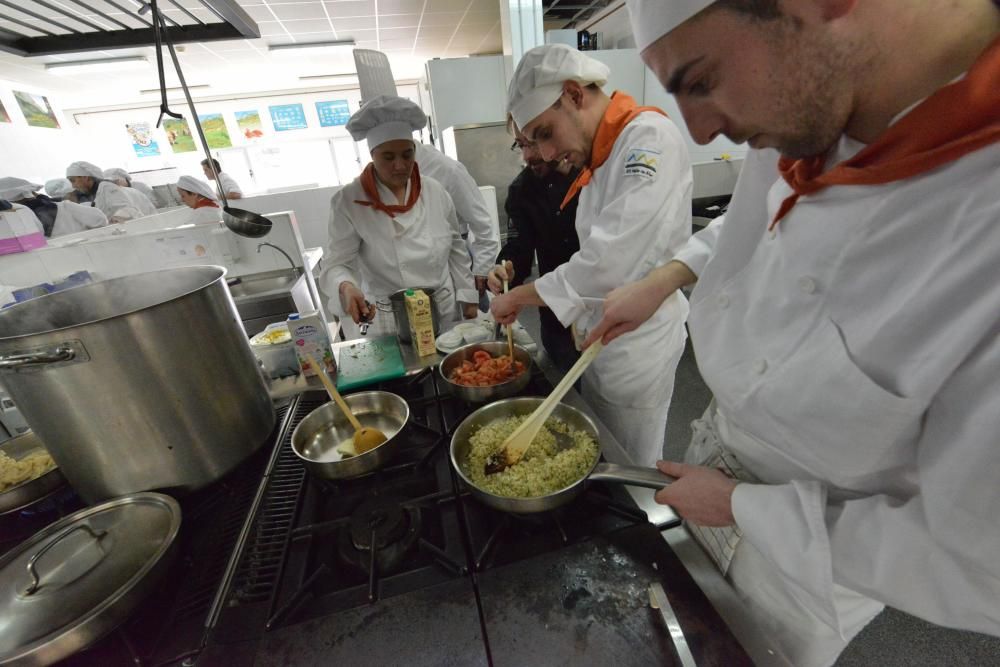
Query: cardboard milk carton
[419, 313]
[309, 336]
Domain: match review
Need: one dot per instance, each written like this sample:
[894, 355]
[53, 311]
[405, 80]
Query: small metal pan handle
[35, 580]
[38, 358]
[650, 478]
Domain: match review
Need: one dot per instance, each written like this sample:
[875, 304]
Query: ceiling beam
[121, 39]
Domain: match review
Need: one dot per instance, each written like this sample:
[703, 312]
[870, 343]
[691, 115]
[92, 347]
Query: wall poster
[37, 110]
[249, 124]
[178, 135]
[142, 139]
[333, 114]
[214, 127]
[288, 117]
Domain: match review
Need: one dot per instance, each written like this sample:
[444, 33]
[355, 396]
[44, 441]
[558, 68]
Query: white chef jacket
[145, 190]
[228, 184]
[113, 201]
[382, 255]
[72, 218]
[854, 353]
[470, 207]
[632, 217]
[140, 202]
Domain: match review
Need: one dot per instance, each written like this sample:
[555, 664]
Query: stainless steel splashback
[484, 149]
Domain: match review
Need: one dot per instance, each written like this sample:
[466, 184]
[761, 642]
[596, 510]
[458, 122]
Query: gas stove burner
[384, 525]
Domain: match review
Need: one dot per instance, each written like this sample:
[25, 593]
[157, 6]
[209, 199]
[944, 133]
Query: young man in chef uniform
[634, 213]
[847, 311]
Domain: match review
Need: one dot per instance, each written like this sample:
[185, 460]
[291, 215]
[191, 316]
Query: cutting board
[368, 361]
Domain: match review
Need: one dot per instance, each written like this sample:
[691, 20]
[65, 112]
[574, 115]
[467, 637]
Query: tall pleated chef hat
[58, 187]
[13, 189]
[386, 118]
[84, 169]
[652, 19]
[197, 186]
[539, 77]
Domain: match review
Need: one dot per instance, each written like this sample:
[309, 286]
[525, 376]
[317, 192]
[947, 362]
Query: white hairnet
[13, 189]
[115, 173]
[84, 169]
[652, 19]
[385, 118]
[197, 186]
[58, 187]
[539, 77]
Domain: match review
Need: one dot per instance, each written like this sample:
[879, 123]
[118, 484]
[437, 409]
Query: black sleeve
[520, 245]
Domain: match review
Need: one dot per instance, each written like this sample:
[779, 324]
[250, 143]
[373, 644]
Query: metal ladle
[239, 221]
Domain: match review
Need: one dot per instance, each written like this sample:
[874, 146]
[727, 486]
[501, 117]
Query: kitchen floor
[893, 638]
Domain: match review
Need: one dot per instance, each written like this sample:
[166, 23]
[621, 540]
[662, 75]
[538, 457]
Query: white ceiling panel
[450, 19]
[270, 28]
[397, 44]
[481, 18]
[259, 12]
[447, 5]
[400, 6]
[410, 21]
[300, 11]
[351, 7]
[354, 24]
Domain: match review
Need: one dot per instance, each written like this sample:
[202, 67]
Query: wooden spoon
[517, 444]
[510, 331]
[365, 438]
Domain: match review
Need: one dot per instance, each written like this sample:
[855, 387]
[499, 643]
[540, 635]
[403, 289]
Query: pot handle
[35, 579]
[56, 355]
[650, 478]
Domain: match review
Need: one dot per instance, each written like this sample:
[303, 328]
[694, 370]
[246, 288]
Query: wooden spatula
[517, 444]
[510, 331]
[365, 438]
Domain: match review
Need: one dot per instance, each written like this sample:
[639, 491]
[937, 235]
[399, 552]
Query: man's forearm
[526, 295]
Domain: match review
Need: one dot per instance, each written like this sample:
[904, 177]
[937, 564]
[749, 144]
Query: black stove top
[404, 565]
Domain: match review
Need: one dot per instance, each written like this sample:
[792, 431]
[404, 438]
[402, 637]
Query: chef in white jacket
[200, 197]
[88, 179]
[634, 213]
[846, 313]
[58, 218]
[470, 208]
[140, 193]
[392, 228]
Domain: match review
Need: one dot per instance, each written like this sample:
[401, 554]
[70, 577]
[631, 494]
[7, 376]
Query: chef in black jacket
[538, 226]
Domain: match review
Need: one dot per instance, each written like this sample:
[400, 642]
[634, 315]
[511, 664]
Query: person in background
[121, 178]
[539, 224]
[846, 313]
[57, 218]
[392, 229]
[199, 195]
[88, 180]
[58, 188]
[226, 184]
[634, 208]
[470, 207]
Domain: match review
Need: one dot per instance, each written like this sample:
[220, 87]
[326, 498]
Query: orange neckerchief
[371, 189]
[619, 113]
[205, 202]
[958, 119]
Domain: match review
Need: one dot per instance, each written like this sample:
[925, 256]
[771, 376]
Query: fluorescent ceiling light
[100, 65]
[173, 89]
[349, 76]
[312, 46]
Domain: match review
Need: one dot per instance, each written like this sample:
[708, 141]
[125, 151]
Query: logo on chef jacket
[642, 162]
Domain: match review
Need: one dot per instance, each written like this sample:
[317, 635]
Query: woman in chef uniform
[846, 314]
[390, 229]
[199, 196]
[634, 211]
[88, 179]
[58, 218]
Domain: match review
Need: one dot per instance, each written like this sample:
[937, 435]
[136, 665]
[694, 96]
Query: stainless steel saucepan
[575, 419]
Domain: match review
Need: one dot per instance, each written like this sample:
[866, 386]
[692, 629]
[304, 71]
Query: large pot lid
[74, 571]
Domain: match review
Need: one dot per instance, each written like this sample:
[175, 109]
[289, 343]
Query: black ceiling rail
[185, 10]
[28, 25]
[131, 14]
[64, 12]
[33, 15]
[94, 10]
[212, 9]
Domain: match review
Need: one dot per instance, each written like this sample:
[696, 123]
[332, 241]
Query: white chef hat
[115, 173]
[197, 186]
[13, 189]
[652, 19]
[539, 77]
[385, 118]
[84, 169]
[58, 187]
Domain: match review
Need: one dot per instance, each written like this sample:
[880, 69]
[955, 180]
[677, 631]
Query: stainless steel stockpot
[145, 382]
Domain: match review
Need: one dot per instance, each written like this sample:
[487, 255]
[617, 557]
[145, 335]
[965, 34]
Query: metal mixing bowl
[493, 392]
[316, 438]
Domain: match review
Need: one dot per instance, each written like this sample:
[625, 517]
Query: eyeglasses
[519, 146]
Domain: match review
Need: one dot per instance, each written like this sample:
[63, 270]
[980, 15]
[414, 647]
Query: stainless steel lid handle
[39, 358]
[32, 570]
[650, 478]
